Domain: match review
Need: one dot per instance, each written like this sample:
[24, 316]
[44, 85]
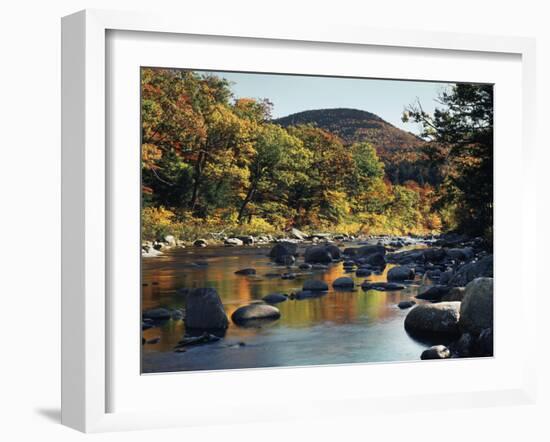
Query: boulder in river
[364, 251]
[315, 285]
[440, 318]
[381, 286]
[476, 311]
[463, 254]
[363, 273]
[400, 273]
[248, 271]
[200, 243]
[472, 270]
[275, 298]
[232, 242]
[375, 259]
[170, 240]
[304, 266]
[433, 293]
[286, 260]
[343, 283]
[255, 311]
[436, 352]
[248, 240]
[204, 310]
[322, 254]
[485, 342]
[283, 248]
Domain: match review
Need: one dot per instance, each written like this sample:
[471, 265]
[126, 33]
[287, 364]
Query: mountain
[398, 149]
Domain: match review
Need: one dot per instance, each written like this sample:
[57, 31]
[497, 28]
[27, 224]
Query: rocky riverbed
[315, 300]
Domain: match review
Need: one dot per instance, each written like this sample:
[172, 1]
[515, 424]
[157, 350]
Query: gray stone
[434, 318]
[363, 272]
[200, 243]
[254, 312]
[315, 285]
[433, 293]
[233, 242]
[400, 273]
[204, 310]
[157, 314]
[463, 254]
[476, 311]
[295, 233]
[170, 240]
[468, 272]
[283, 248]
[322, 254]
[286, 260]
[436, 352]
[275, 298]
[343, 282]
[406, 304]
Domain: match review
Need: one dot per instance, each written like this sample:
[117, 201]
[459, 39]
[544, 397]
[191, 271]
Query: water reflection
[349, 326]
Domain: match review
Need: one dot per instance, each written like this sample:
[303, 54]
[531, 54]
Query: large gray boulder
[472, 270]
[204, 310]
[322, 254]
[255, 311]
[283, 248]
[400, 273]
[476, 311]
[375, 260]
[441, 318]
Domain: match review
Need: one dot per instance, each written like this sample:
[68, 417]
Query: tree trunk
[246, 200]
[197, 180]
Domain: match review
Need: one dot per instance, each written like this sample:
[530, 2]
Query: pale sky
[293, 93]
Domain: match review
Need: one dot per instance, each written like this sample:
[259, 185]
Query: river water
[340, 327]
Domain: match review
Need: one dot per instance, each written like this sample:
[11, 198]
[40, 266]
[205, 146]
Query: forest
[213, 163]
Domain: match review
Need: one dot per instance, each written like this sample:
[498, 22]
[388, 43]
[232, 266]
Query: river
[341, 327]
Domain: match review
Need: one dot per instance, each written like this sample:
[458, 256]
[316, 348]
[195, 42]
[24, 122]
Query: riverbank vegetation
[215, 164]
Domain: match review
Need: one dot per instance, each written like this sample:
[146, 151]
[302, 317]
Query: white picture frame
[86, 315]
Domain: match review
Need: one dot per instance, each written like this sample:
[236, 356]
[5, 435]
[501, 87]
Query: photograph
[307, 220]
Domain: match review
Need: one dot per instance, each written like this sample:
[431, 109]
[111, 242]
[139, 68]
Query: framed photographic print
[258, 217]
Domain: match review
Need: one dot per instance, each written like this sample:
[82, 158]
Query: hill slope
[398, 149]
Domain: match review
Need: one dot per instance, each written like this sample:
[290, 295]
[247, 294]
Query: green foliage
[462, 149]
[212, 166]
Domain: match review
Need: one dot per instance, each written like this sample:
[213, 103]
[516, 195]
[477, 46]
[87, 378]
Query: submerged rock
[254, 312]
[441, 318]
[382, 286]
[204, 310]
[248, 271]
[275, 298]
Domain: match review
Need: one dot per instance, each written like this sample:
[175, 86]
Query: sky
[292, 93]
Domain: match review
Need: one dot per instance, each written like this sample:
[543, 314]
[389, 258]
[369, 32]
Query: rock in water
[485, 342]
[433, 293]
[204, 310]
[400, 273]
[343, 283]
[434, 318]
[283, 248]
[455, 294]
[275, 298]
[231, 242]
[363, 272]
[436, 352]
[468, 272]
[476, 311]
[246, 272]
[315, 285]
[157, 314]
[200, 243]
[406, 304]
[254, 312]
